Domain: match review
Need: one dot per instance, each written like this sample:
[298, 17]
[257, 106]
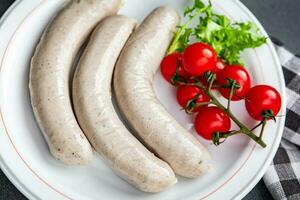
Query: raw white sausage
[96, 114]
[134, 74]
[50, 77]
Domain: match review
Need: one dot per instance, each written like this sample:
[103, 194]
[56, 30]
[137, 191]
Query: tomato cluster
[262, 101]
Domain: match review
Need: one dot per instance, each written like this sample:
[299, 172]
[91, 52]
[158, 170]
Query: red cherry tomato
[261, 98]
[199, 58]
[187, 93]
[211, 120]
[169, 64]
[240, 75]
[220, 65]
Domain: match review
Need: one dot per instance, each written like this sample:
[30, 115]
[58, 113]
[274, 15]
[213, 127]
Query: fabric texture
[283, 176]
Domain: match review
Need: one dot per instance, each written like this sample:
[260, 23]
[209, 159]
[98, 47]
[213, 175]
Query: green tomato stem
[264, 122]
[243, 128]
[232, 91]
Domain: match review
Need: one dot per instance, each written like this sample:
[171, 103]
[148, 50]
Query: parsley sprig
[227, 38]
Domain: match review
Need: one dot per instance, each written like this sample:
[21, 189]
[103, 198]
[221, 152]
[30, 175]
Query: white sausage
[133, 79]
[97, 117]
[50, 77]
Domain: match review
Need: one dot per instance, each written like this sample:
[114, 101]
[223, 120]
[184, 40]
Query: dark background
[280, 18]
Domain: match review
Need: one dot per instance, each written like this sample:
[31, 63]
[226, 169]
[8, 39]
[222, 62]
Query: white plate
[24, 156]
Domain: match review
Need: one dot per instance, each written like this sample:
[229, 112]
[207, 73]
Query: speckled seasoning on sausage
[50, 76]
[97, 116]
[133, 79]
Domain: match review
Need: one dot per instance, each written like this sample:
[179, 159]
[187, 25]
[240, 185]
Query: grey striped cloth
[283, 176]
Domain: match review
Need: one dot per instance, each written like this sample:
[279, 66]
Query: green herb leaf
[182, 36]
[198, 5]
[227, 38]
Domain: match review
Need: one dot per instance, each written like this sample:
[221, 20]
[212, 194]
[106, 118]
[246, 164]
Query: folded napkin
[283, 176]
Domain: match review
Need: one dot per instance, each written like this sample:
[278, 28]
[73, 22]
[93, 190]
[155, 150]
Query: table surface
[279, 19]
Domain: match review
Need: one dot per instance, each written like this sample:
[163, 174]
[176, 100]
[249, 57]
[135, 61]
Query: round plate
[24, 155]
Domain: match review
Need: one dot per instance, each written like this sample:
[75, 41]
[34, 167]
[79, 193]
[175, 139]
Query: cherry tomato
[199, 58]
[220, 65]
[211, 120]
[261, 98]
[187, 93]
[240, 75]
[169, 64]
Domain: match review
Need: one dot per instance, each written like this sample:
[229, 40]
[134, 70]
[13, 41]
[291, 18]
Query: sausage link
[133, 79]
[97, 117]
